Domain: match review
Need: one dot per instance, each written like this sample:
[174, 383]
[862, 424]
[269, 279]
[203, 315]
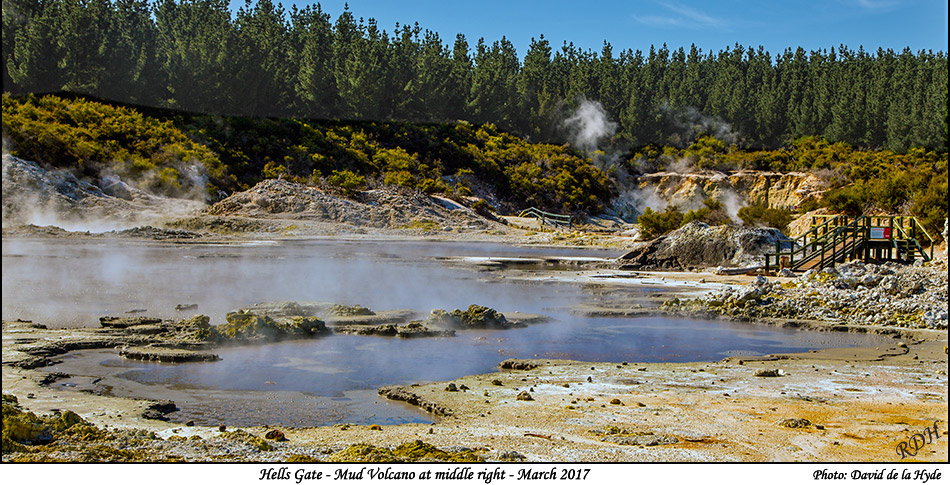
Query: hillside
[122, 151]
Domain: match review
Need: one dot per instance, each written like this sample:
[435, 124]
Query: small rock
[375, 427]
[153, 414]
[53, 377]
[511, 456]
[190, 423]
[275, 434]
[616, 401]
[222, 428]
[451, 387]
[769, 373]
[524, 396]
[496, 382]
[795, 423]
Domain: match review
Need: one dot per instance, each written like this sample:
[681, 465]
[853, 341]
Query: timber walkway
[547, 217]
[837, 239]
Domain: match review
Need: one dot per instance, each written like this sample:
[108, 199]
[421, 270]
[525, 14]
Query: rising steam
[589, 125]
[690, 123]
[37, 196]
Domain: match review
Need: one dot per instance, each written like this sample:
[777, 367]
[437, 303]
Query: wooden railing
[547, 217]
[837, 239]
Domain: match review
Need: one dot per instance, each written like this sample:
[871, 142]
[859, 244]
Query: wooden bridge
[547, 217]
[837, 239]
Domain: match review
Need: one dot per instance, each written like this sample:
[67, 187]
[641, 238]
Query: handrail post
[834, 247]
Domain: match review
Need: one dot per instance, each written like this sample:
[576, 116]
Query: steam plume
[589, 124]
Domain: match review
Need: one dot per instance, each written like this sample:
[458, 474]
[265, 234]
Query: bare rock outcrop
[698, 245]
[385, 208]
[399, 393]
[34, 195]
[773, 189]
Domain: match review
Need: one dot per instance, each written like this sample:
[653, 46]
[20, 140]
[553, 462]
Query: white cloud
[680, 15]
[876, 4]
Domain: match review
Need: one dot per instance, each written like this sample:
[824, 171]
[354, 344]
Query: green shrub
[712, 213]
[655, 224]
[845, 200]
[483, 209]
[348, 181]
[763, 215]
[91, 138]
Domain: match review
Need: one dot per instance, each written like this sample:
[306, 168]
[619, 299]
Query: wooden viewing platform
[837, 239]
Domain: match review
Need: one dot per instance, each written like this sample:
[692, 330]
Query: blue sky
[918, 24]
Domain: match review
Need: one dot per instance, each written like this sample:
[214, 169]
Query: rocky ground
[697, 245]
[854, 294]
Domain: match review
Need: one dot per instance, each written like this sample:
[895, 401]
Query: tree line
[265, 60]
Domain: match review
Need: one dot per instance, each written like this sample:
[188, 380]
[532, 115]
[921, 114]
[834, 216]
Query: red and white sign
[880, 233]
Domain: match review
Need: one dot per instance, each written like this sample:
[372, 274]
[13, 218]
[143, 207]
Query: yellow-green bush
[859, 181]
[94, 138]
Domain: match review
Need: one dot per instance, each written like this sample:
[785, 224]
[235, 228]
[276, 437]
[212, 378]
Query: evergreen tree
[312, 48]
[262, 85]
[346, 35]
[190, 54]
[537, 101]
[495, 84]
[194, 43]
[34, 64]
[461, 80]
[610, 93]
[402, 93]
[131, 74]
[17, 15]
[83, 26]
[435, 90]
[364, 90]
[901, 108]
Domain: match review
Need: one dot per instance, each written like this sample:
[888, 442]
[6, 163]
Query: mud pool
[73, 283]
[333, 379]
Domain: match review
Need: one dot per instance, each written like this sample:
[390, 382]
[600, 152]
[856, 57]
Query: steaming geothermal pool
[333, 379]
